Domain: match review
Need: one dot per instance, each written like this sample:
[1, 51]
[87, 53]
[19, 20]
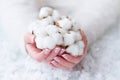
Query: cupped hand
[56, 57]
[45, 55]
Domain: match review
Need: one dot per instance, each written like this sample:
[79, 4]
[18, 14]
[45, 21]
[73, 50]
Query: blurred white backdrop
[102, 62]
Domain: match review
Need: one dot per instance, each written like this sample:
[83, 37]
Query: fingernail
[57, 50]
[56, 58]
[52, 62]
[62, 51]
[63, 55]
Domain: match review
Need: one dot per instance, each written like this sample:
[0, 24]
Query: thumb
[29, 38]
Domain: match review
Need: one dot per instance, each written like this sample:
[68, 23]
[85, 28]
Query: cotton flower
[58, 38]
[62, 31]
[45, 42]
[37, 28]
[45, 12]
[78, 36]
[65, 24]
[73, 49]
[47, 21]
[40, 32]
[76, 49]
[49, 42]
[38, 41]
[53, 29]
[56, 15]
[80, 44]
[76, 26]
[69, 38]
[34, 26]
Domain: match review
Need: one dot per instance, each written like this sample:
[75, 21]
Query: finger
[53, 54]
[31, 48]
[57, 65]
[61, 52]
[84, 38]
[42, 55]
[71, 58]
[52, 65]
[29, 38]
[37, 53]
[64, 62]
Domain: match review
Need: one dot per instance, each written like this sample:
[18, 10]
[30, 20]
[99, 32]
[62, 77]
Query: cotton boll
[69, 38]
[45, 42]
[76, 27]
[80, 52]
[56, 15]
[47, 21]
[33, 26]
[39, 43]
[62, 31]
[78, 36]
[45, 12]
[58, 39]
[40, 32]
[73, 50]
[49, 42]
[51, 29]
[65, 23]
[76, 49]
[80, 44]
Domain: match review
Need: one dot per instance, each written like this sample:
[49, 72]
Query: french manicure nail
[63, 55]
[62, 51]
[52, 62]
[56, 58]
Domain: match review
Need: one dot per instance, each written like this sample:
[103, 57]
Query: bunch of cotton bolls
[53, 29]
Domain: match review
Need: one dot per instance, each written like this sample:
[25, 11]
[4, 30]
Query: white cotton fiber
[45, 12]
[78, 36]
[41, 32]
[56, 15]
[53, 29]
[76, 26]
[76, 48]
[73, 49]
[47, 21]
[34, 25]
[62, 31]
[57, 38]
[49, 42]
[69, 38]
[65, 23]
[80, 44]
[38, 42]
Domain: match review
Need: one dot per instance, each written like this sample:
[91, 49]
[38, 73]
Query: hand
[56, 57]
[67, 61]
[45, 55]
